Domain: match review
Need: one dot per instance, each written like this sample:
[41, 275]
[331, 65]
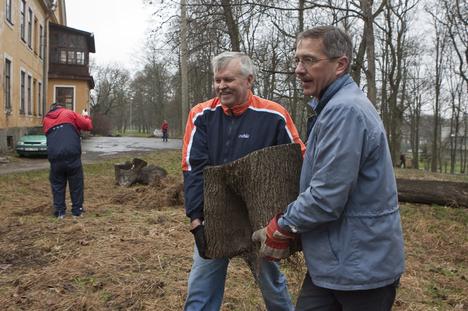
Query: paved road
[95, 149]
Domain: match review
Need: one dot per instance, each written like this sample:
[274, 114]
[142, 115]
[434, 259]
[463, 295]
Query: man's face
[230, 85]
[315, 70]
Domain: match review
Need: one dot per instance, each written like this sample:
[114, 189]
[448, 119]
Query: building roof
[89, 35]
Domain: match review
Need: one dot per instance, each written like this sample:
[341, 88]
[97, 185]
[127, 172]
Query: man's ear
[250, 80]
[343, 63]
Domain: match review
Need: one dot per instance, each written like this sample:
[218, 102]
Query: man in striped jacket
[220, 130]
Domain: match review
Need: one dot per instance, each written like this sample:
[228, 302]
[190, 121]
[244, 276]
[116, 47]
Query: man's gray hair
[336, 42]
[222, 60]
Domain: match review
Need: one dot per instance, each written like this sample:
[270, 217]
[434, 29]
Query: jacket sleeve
[194, 160]
[288, 133]
[334, 163]
[83, 123]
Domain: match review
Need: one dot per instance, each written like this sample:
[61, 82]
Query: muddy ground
[132, 249]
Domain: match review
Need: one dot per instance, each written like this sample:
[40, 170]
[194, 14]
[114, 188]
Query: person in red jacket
[165, 129]
[62, 128]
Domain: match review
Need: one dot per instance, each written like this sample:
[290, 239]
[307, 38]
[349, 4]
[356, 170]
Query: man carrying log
[218, 131]
[347, 213]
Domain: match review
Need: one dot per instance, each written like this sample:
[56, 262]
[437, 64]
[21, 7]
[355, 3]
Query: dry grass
[132, 250]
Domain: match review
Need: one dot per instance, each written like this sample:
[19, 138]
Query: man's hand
[199, 235]
[274, 242]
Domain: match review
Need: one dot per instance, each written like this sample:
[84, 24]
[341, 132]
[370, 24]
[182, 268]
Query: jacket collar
[329, 92]
[237, 110]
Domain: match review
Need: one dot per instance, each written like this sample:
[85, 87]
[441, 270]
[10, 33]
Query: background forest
[410, 57]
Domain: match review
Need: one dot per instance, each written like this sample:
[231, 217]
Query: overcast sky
[119, 27]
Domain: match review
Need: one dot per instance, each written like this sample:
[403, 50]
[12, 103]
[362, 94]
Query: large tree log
[242, 196]
[448, 193]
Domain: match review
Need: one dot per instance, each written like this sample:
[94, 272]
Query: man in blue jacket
[218, 131]
[62, 128]
[347, 213]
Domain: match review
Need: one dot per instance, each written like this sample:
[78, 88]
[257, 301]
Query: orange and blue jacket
[216, 134]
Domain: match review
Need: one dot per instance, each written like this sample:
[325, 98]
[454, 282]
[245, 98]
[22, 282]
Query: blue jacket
[216, 134]
[347, 211]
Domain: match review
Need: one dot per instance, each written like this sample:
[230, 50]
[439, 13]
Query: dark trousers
[314, 298]
[61, 172]
[165, 135]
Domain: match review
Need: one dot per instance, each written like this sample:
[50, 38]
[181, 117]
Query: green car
[32, 145]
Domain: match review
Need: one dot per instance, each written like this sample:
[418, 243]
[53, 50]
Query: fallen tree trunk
[242, 196]
[448, 193]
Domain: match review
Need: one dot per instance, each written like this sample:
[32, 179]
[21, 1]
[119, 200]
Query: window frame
[22, 86]
[22, 9]
[9, 11]
[8, 77]
[41, 43]
[71, 86]
[30, 27]
[40, 108]
[29, 93]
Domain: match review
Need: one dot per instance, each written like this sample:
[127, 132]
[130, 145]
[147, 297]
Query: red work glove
[274, 241]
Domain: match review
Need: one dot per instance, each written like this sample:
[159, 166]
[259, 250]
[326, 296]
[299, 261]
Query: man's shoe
[61, 216]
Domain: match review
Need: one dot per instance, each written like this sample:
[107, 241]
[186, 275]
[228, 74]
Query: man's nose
[299, 69]
[222, 85]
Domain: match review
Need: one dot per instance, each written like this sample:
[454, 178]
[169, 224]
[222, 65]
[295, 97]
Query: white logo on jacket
[244, 136]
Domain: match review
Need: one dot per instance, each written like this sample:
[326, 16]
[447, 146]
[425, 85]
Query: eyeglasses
[310, 61]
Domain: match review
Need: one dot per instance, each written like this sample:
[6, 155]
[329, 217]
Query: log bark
[447, 193]
[137, 171]
[242, 196]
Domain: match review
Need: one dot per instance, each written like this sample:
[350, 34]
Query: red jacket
[165, 126]
[62, 115]
[62, 128]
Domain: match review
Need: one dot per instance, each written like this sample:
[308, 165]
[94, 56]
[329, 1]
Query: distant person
[220, 130]
[62, 128]
[346, 214]
[165, 130]
[402, 161]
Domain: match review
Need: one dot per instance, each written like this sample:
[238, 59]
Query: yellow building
[40, 60]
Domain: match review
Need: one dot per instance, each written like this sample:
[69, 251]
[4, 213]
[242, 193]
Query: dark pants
[61, 172]
[165, 135]
[314, 298]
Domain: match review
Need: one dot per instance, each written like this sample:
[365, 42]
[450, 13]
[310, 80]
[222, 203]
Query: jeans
[314, 298]
[61, 172]
[207, 278]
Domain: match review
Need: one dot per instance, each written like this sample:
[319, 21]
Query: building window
[80, 59]
[22, 91]
[23, 19]
[34, 96]
[8, 11]
[29, 95]
[30, 18]
[63, 57]
[7, 86]
[71, 57]
[41, 42]
[40, 107]
[36, 45]
[66, 96]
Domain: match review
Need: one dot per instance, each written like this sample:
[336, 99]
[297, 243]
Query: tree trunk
[447, 193]
[242, 196]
